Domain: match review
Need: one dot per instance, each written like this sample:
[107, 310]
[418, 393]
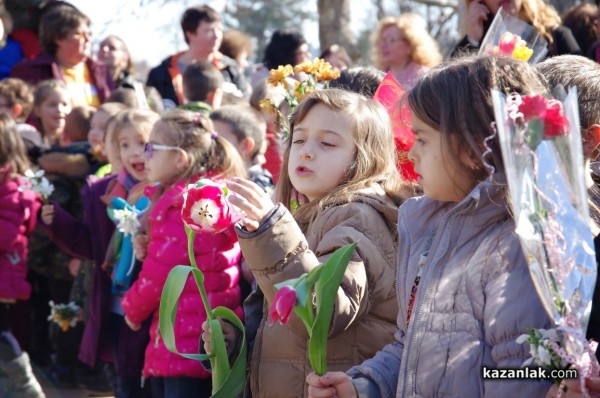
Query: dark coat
[44, 67]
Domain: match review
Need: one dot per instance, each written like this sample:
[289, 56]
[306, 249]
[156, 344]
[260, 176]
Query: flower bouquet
[311, 297]
[205, 209]
[317, 72]
[64, 315]
[542, 151]
[39, 184]
[509, 36]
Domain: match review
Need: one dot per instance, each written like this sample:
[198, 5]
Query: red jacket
[18, 212]
[216, 255]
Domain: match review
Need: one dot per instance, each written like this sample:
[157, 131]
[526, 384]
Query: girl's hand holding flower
[140, 245]
[228, 334]
[331, 384]
[48, 214]
[252, 200]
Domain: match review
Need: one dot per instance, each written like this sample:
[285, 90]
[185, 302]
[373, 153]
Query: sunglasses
[149, 149]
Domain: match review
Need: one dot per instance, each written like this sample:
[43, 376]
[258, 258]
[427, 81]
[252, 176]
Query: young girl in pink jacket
[183, 147]
[18, 212]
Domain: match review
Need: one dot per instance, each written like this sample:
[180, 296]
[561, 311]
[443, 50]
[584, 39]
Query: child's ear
[247, 147]
[181, 163]
[16, 110]
[591, 141]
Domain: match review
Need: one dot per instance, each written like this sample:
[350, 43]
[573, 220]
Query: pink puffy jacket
[216, 255]
[18, 212]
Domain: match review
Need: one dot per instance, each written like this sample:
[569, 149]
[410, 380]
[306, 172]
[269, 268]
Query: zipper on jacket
[409, 377]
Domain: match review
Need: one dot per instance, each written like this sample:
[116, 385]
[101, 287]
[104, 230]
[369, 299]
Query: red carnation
[533, 106]
[555, 121]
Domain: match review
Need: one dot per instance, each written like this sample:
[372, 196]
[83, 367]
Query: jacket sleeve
[511, 304]
[10, 222]
[378, 376]
[278, 251]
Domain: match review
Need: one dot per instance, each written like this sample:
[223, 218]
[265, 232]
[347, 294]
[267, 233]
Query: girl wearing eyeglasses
[182, 148]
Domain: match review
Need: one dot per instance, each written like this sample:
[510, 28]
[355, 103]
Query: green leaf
[234, 384]
[168, 308]
[535, 133]
[326, 290]
[219, 361]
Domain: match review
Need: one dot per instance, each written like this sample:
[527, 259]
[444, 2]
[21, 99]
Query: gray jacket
[475, 297]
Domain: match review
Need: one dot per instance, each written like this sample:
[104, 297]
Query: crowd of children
[437, 288]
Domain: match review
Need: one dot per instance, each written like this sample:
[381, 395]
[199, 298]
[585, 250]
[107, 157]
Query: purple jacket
[44, 67]
[89, 239]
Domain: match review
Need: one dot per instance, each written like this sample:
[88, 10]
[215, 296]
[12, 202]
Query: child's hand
[252, 200]
[477, 14]
[74, 265]
[48, 214]
[140, 246]
[228, 334]
[331, 384]
[133, 326]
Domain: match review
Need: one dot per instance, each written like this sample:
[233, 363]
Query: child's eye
[298, 141]
[420, 141]
[328, 144]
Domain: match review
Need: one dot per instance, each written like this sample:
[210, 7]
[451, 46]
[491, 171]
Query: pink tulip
[282, 305]
[205, 209]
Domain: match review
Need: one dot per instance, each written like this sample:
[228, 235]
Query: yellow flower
[306, 67]
[64, 325]
[277, 76]
[329, 74]
[268, 106]
[523, 53]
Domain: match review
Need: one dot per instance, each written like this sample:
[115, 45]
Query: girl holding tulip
[340, 160]
[182, 148]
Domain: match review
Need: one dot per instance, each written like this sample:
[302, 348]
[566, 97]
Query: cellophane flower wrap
[315, 74]
[542, 152]
[311, 297]
[38, 183]
[205, 209]
[512, 37]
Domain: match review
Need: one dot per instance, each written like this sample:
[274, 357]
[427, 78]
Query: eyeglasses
[149, 149]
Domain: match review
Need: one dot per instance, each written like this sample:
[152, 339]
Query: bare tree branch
[439, 3]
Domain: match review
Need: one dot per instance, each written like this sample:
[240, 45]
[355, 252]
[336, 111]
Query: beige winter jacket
[366, 307]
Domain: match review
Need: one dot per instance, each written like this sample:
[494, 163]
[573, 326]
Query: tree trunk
[334, 25]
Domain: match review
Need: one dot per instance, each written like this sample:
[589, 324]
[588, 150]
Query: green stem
[191, 235]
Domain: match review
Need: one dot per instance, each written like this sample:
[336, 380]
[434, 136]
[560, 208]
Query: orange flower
[64, 325]
[277, 76]
[306, 67]
[329, 74]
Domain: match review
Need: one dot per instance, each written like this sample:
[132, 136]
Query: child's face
[225, 131]
[438, 171]
[53, 112]
[97, 127]
[162, 164]
[112, 152]
[131, 149]
[321, 152]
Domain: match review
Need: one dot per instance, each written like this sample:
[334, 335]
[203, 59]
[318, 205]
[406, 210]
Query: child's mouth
[139, 167]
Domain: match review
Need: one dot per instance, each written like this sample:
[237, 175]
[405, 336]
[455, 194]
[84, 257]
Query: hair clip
[196, 118]
[214, 135]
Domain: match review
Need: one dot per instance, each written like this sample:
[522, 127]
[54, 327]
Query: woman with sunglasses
[183, 147]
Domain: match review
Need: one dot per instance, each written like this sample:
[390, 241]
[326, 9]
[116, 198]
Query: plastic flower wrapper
[318, 73]
[510, 36]
[542, 152]
[65, 315]
[126, 217]
[39, 184]
[312, 297]
[205, 209]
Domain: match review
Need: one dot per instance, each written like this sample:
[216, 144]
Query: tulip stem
[198, 276]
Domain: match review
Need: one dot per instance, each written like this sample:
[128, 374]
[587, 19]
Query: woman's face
[302, 54]
[394, 49]
[511, 6]
[75, 47]
[113, 53]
